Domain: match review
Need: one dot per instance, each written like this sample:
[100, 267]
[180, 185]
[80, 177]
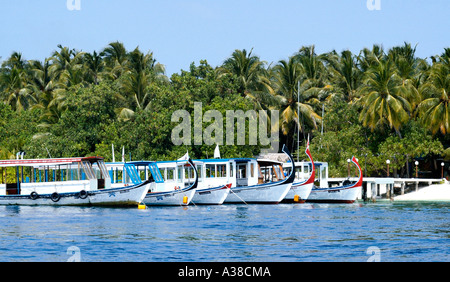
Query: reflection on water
[285, 232]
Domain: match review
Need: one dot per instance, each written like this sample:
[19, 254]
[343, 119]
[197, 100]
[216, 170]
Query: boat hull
[270, 193]
[211, 196]
[300, 189]
[123, 196]
[169, 198]
[334, 195]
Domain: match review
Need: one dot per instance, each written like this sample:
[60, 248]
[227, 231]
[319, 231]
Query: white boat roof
[45, 162]
[266, 162]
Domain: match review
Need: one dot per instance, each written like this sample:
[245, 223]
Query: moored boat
[347, 193]
[160, 193]
[64, 181]
[301, 188]
[176, 173]
[259, 181]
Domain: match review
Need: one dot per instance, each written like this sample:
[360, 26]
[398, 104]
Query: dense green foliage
[376, 105]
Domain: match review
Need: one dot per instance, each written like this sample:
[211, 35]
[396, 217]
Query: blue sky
[179, 32]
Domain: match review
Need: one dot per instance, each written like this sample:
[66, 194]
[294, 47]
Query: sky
[180, 32]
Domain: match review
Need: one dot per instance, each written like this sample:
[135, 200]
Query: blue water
[284, 232]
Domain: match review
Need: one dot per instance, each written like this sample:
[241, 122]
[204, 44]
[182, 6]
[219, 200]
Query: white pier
[384, 187]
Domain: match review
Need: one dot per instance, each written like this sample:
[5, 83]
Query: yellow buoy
[297, 198]
[142, 206]
[185, 200]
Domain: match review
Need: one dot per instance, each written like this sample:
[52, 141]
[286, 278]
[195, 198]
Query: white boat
[347, 193]
[302, 186]
[252, 180]
[64, 181]
[160, 193]
[176, 173]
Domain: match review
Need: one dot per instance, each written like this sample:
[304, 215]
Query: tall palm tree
[13, 79]
[368, 58]
[94, 65]
[246, 67]
[115, 57]
[344, 74]
[408, 68]
[142, 71]
[311, 64]
[313, 74]
[46, 89]
[384, 101]
[434, 110]
[285, 81]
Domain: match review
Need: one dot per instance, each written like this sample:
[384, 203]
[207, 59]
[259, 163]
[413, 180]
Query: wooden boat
[176, 173]
[64, 181]
[347, 193]
[160, 193]
[301, 188]
[253, 181]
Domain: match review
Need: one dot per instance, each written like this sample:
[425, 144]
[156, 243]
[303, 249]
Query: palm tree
[369, 58]
[311, 65]
[408, 68]
[13, 80]
[434, 110]
[245, 67]
[94, 65]
[142, 71]
[285, 81]
[344, 74]
[115, 57]
[46, 89]
[384, 101]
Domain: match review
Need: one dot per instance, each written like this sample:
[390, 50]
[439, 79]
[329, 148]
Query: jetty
[401, 189]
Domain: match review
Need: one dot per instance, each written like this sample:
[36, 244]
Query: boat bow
[291, 177]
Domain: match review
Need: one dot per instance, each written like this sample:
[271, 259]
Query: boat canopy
[133, 172]
[47, 162]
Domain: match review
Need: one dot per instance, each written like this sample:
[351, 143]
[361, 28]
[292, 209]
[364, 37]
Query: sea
[359, 232]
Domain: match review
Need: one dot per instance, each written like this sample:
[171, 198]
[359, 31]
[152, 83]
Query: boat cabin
[135, 172]
[304, 169]
[237, 171]
[19, 177]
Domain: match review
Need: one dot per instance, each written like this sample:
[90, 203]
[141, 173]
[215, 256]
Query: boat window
[210, 170]
[180, 173]
[306, 169]
[242, 171]
[252, 170]
[155, 173]
[170, 174]
[199, 171]
[189, 173]
[231, 169]
[221, 170]
[103, 170]
[278, 173]
[132, 174]
[87, 169]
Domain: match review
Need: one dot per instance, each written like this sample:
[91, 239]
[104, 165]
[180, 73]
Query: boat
[207, 192]
[301, 188]
[257, 180]
[64, 181]
[160, 193]
[346, 193]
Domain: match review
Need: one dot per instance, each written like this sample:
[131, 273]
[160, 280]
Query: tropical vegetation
[377, 105]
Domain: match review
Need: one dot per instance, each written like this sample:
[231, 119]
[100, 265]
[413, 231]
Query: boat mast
[298, 121]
